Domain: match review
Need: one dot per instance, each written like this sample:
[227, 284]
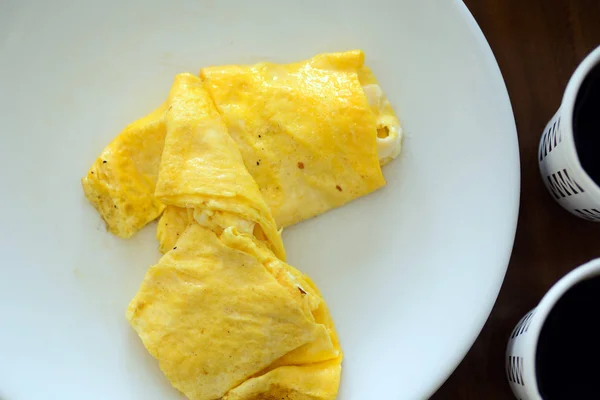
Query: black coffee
[568, 351]
[586, 124]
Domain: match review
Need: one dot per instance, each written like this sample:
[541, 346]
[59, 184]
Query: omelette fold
[311, 133]
[221, 311]
[202, 168]
[227, 319]
[232, 157]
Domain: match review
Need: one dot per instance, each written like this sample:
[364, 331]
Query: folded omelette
[312, 135]
[202, 169]
[227, 319]
[228, 160]
[222, 313]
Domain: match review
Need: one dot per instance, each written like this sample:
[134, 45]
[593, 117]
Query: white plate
[410, 273]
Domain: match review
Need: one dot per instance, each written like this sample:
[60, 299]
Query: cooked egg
[214, 315]
[306, 131]
[202, 168]
[121, 183]
[228, 160]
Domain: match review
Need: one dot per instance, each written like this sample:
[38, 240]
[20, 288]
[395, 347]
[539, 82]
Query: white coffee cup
[561, 170]
[522, 346]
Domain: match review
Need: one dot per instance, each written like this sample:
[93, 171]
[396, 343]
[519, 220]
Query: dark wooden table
[538, 44]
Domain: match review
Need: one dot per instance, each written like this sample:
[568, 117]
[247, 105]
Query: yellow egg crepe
[307, 132]
[202, 168]
[121, 183]
[215, 317]
[311, 135]
[229, 159]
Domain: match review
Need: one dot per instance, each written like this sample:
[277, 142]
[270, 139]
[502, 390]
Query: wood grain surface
[538, 44]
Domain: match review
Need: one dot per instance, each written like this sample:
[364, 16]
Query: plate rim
[485, 312]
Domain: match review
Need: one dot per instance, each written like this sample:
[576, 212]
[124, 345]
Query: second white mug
[523, 345]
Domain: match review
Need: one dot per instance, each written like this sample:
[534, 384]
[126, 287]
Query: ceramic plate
[410, 272]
